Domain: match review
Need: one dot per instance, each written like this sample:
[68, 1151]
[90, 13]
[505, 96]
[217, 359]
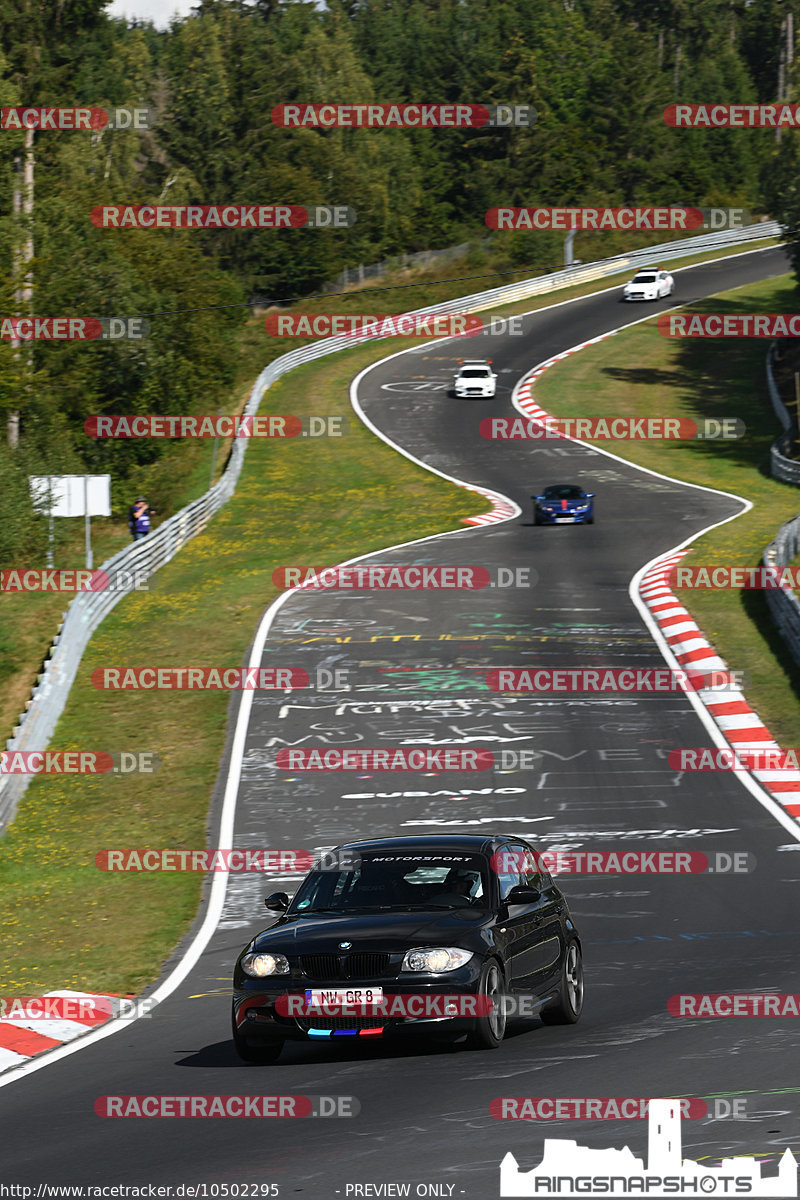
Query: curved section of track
[416, 664]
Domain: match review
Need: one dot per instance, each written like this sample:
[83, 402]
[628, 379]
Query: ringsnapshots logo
[567, 1169]
[628, 219]
[403, 116]
[398, 576]
[263, 425]
[74, 329]
[79, 579]
[222, 216]
[81, 119]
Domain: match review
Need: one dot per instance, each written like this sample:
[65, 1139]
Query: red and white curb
[739, 725]
[22, 1038]
[502, 508]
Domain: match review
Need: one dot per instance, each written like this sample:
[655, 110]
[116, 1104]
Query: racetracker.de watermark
[222, 216]
[264, 425]
[402, 116]
[732, 116]
[618, 429]
[594, 679]
[722, 758]
[625, 862]
[588, 1108]
[369, 325]
[234, 862]
[78, 762]
[628, 219]
[73, 329]
[226, 1106]
[757, 578]
[400, 758]
[734, 1004]
[724, 325]
[412, 577]
[198, 679]
[20, 579]
[86, 119]
[87, 1010]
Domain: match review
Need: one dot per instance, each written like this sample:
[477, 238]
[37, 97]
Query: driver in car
[458, 887]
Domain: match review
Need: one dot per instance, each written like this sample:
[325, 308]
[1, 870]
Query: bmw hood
[390, 932]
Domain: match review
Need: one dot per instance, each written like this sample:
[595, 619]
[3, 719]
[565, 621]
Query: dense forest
[599, 73]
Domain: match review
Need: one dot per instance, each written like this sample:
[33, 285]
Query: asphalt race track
[415, 666]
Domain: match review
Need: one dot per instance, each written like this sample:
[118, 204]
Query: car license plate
[565, 518]
[318, 997]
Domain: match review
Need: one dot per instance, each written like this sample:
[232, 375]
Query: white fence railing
[143, 558]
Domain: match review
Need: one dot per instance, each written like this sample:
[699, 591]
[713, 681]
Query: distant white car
[476, 378]
[651, 283]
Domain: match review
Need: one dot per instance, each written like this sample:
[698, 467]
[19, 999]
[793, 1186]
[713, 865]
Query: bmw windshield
[396, 882]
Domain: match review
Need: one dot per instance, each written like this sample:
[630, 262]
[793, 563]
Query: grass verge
[638, 372]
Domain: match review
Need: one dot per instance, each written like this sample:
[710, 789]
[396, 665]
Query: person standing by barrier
[139, 518]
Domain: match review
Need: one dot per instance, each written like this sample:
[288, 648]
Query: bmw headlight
[257, 966]
[436, 959]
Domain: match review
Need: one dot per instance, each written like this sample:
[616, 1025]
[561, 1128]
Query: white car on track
[476, 378]
[651, 283]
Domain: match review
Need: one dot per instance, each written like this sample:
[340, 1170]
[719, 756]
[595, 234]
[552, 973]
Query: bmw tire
[490, 1030]
[253, 1051]
[567, 1007]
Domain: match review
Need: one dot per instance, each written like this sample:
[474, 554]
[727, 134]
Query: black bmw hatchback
[410, 935]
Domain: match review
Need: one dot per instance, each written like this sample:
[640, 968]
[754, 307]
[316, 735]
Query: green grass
[638, 373]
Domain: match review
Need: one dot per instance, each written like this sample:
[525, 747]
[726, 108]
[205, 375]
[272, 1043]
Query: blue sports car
[563, 504]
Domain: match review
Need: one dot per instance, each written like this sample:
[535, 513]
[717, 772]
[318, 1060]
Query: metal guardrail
[783, 604]
[787, 470]
[89, 609]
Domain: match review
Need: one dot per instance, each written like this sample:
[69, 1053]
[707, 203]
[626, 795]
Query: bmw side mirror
[522, 894]
[590, 495]
[277, 902]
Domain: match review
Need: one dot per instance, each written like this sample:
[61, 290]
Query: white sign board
[72, 495]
